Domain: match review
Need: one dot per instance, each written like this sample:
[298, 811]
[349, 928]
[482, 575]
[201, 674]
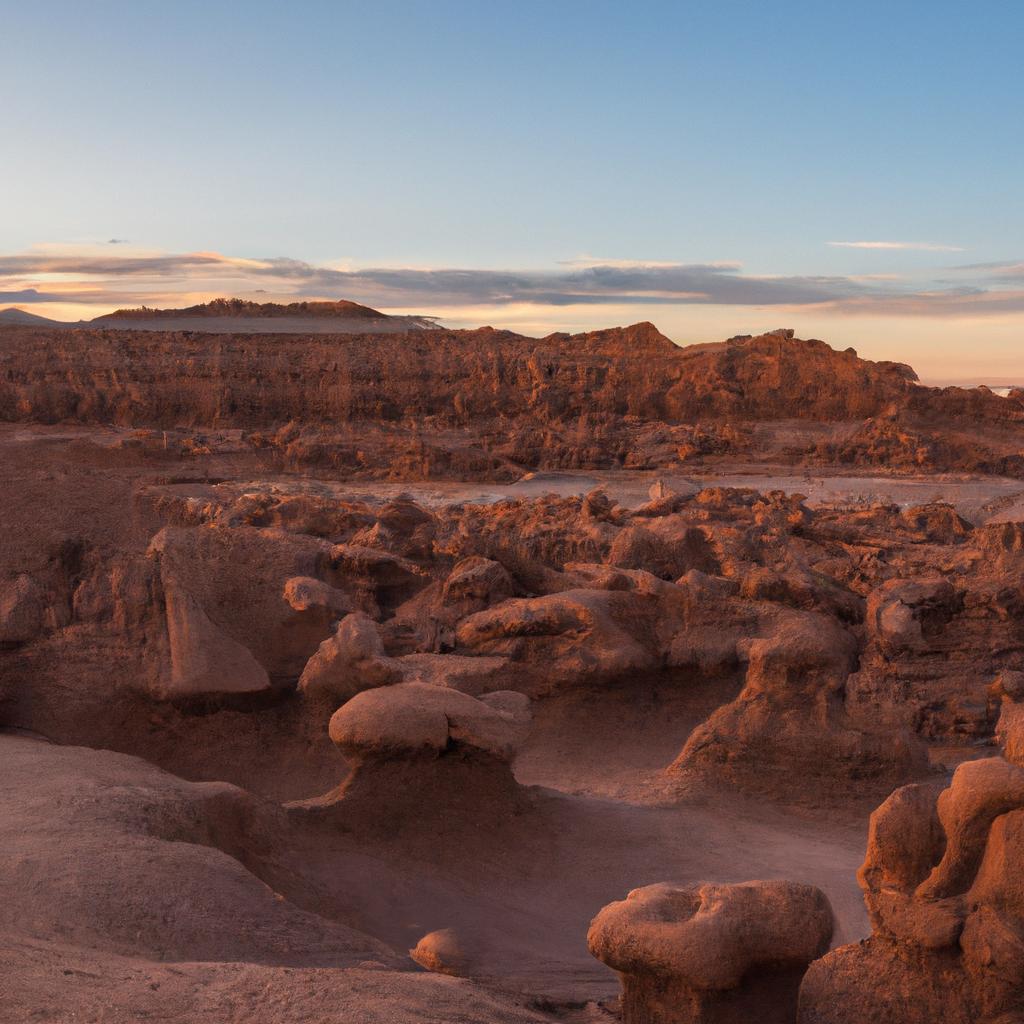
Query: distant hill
[338, 309]
[239, 316]
[13, 315]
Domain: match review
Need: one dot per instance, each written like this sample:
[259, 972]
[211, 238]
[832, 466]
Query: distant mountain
[241, 308]
[239, 316]
[13, 315]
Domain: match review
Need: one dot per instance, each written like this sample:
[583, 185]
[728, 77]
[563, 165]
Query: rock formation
[791, 717]
[712, 954]
[941, 881]
[426, 757]
[350, 660]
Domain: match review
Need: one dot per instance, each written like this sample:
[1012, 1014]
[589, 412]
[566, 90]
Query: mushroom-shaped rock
[712, 953]
[350, 661]
[429, 761]
[414, 718]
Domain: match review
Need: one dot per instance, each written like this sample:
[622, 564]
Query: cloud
[1004, 270]
[596, 261]
[952, 302]
[116, 266]
[28, 295]
[917, 246]
[95, 278]
[599, 284]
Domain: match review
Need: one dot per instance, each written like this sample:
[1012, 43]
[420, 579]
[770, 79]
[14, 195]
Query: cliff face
[777, 376]
[147, 378]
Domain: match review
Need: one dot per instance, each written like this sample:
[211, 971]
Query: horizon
[538, 170]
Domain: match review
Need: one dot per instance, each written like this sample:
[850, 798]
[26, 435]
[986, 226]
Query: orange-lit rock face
[941, 887]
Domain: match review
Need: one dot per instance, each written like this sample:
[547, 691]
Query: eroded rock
[791, 718]
[712, 954]
[941, 880]
[349, 661]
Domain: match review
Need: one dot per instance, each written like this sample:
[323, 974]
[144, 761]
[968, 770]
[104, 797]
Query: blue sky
[537, 139]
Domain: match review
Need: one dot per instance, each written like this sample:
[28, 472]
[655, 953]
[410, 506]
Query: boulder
[578, 636]
[205, 661]
[230, 580]
[381, 580]
[442, 952]
[1010, 726]
[403, 528]
[666, 553]
[306, 594]
[473, 675]
[901, 614]
[474, 584]
[349, 661]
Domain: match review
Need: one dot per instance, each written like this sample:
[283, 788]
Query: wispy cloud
[909, 246]
[952, 302]
[1003, 270]
[621, 264]
[116, 266]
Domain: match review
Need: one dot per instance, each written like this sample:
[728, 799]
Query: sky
[851, 170]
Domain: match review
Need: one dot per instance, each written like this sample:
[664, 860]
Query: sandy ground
[975, 497]
[979, 499]
[521, 900]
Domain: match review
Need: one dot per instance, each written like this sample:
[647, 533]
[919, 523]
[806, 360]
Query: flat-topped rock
[416, 718]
